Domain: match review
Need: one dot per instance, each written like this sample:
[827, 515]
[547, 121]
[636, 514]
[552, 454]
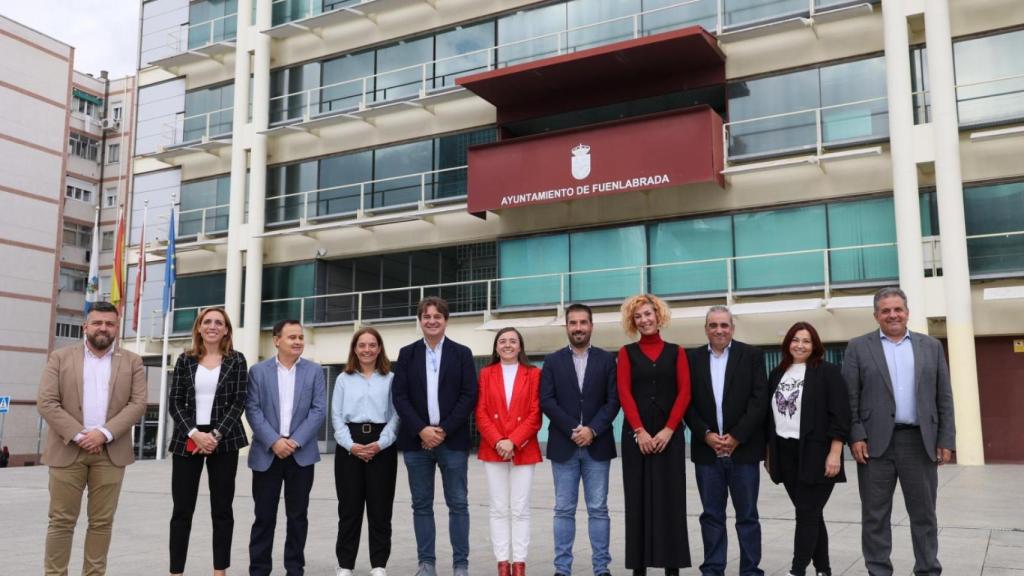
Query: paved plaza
[981, 520]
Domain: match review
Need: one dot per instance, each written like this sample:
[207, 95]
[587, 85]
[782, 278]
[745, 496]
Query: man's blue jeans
[568, 474]
[454, 466]
[716, 482]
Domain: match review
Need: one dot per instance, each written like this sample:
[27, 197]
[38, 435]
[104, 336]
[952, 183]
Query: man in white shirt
[286, 406]
[90, 396]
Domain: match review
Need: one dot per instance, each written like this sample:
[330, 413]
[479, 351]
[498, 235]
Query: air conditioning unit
[111, 124]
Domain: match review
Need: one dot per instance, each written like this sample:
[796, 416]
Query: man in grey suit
[285, 407]
[902, 406]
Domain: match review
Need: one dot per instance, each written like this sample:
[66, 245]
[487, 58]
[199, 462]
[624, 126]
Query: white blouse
[206, 389]
[787, 401]
[508, 371]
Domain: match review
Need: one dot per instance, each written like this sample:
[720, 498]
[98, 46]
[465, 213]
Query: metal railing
[199, 127]
[193, 36]
[419, 80]
[411, 191]
[728, 278]
[809, 129]
[181, 320]
[968, 95]
[199, 222]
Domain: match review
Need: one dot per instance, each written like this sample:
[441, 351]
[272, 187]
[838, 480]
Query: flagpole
[140, 283]
[168, 306]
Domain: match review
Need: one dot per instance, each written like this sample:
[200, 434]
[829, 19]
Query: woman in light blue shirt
[366, 460]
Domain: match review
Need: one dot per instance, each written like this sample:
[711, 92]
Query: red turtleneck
[652, 346]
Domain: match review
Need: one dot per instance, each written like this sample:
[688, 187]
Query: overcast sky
[105, 33]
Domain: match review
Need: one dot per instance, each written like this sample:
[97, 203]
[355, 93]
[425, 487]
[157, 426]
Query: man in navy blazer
[579, 397]
[434, 392]
[285, 406]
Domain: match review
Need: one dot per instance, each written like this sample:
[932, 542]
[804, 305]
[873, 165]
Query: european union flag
[169, 270]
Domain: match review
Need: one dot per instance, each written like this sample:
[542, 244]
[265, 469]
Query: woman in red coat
[508, 418]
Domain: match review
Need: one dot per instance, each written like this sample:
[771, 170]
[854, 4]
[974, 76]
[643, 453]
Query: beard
[100, 340]
[579, 338]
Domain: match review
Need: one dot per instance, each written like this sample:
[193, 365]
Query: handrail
[425, 76]
[644, 271]
[424, 178]
[182, 219]
[180, 121]
[818, 112]
[178, 39]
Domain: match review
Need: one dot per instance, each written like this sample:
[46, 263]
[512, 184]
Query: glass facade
[687, 257]
[212, 21]
[990, 82]
[204, 206]
[192, 293]
[780, 114]
[390, 177]
[286, 287]
[995, 209]
[208, 112]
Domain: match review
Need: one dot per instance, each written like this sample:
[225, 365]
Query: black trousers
[186, 472]
[810, 541]
[266, 494]
[369, 485]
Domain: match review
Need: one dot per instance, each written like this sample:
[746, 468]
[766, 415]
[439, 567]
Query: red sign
[658, 151]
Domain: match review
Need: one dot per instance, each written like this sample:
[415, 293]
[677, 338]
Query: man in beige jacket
[90, 396]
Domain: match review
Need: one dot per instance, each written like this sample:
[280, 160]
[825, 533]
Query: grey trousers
[907, 461]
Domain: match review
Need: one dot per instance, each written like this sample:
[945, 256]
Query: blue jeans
[454, 467]
[594, 474]
[716, 482]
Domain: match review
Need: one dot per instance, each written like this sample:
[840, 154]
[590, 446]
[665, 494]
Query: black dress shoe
[640, 572]
[671, 571]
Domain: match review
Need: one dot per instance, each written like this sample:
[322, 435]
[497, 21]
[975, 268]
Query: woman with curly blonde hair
[654, 389]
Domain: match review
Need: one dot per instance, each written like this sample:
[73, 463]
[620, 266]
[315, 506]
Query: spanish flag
[117, 280]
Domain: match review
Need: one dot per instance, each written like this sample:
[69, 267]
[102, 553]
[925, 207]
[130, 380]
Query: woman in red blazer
[508, 418]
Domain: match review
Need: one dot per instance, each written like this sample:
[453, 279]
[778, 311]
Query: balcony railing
[220, 29]
[213, 125]
[815, 270]
[410, 192]
[811, 130]
[200, 222]
[992, 101]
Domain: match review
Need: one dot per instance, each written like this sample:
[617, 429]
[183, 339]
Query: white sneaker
[342, 572]
[378, 572]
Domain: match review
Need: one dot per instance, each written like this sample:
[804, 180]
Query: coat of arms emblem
[581, 161]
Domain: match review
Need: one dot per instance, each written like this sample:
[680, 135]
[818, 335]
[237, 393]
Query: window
[84, 147]
[78, 193]
[393, 170]
[212, 21]
[79, 235]
[397, 76]
[73, 280]
[990, 80]
[530, 35]
[693, 256]
[192, 293]
[995, 209]
[110, 197]
[113, 153]
[204, 206]
[779, 114]
[67, 330]
[107, 240]
[208, 112]
[288, 99]
[289, 285]
[115, 111]
[83, 106]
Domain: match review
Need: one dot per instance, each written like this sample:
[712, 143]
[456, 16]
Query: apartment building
[336, 160]
[63, 155]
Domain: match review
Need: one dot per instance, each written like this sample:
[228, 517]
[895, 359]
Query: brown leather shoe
[504, 569]
[519, 569]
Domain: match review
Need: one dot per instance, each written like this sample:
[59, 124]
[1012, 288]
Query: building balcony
[295, 17]
[198, 42]
[370, 203]
[198, 133]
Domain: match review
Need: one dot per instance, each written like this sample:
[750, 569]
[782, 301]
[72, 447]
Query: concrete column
[905, 192]
[257, 182]
[239, 151]
[956, 276]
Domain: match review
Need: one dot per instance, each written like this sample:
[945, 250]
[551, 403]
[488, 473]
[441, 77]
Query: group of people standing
[891, 402]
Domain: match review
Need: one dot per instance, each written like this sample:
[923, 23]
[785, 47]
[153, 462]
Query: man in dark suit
[434, 392]
[578, 395]
[726, 418]
[902, 407]
[285, 405]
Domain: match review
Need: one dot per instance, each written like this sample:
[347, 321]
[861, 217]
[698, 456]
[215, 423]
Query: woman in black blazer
[808, 422]
[207, 398]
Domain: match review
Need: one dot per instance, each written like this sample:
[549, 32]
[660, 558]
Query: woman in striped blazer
[206, 402]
